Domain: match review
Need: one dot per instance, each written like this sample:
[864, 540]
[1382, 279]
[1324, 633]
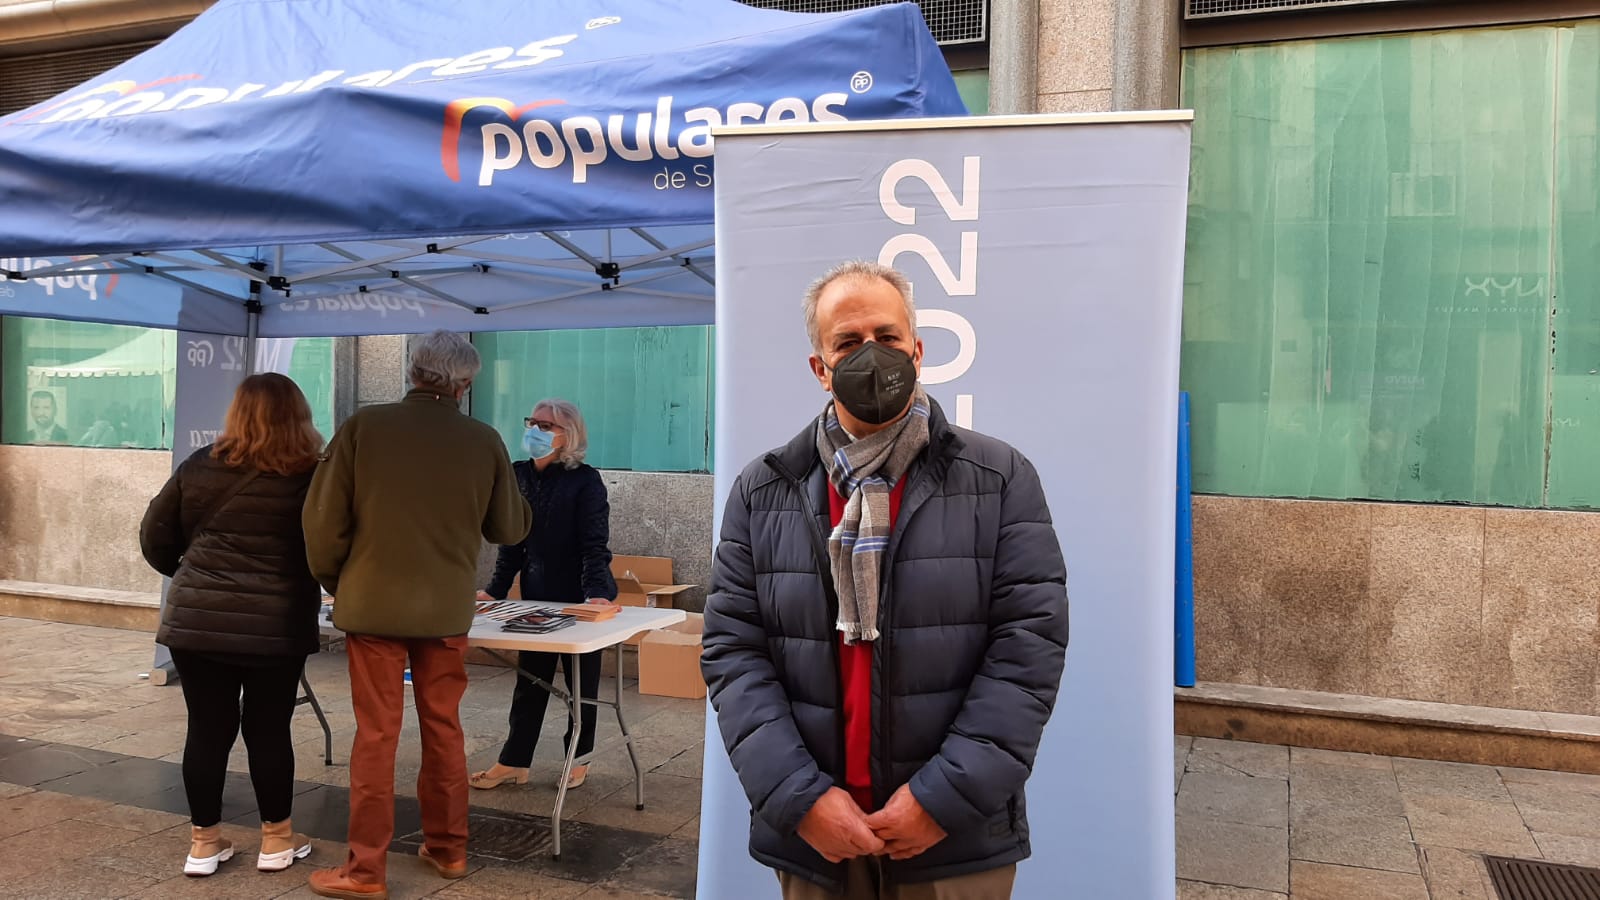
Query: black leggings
[211, 690]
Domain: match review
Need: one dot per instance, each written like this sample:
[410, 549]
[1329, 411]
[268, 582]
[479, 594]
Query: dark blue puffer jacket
[974, 635]
[566, 557]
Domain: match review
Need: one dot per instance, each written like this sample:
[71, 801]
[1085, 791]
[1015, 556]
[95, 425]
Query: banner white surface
[1046, 256]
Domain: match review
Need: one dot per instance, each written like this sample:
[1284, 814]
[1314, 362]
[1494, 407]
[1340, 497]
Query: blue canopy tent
[347, 167]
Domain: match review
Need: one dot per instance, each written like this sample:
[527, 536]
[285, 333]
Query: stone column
[346, 379]
[1075, 52]
[380, 369]
[1145, 60]
[1013, 57]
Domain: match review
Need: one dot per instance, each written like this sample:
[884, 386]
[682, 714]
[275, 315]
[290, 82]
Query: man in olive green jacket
[394, 521]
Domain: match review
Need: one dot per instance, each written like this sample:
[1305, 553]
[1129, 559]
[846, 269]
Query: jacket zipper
[885, 641]
[819, 550]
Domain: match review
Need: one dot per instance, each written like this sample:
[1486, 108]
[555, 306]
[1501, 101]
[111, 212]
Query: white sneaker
[280, 846]
[197, 866]
[277, 862]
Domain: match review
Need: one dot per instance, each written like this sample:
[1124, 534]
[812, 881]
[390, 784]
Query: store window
[973, 85]
[1379, 229]
[86, 385]
[82, 384]
[645, 393]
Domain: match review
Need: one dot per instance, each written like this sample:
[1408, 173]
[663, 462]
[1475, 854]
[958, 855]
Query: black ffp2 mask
[875, 383]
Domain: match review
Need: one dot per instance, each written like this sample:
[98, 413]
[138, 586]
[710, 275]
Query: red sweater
[855, 675]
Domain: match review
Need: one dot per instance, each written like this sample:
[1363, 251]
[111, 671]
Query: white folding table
[571, 642]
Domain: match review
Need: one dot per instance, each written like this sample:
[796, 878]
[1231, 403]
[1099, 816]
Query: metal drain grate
[508, 838]
[1532, 879]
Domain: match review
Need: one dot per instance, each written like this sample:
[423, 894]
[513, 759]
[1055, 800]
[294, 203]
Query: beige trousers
[864, 881]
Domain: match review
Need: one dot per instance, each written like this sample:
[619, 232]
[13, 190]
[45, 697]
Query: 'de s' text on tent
[393, 166]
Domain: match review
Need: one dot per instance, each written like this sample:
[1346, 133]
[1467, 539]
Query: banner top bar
[1104, 118]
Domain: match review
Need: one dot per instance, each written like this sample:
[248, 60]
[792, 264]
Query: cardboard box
[641, 581]
[645, 581]
[669, 661]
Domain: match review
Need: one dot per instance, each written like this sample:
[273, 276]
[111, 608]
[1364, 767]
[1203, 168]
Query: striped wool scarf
[864, 472]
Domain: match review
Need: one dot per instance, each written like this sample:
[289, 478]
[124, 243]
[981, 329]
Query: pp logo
[601, 22]
[861, 82]
[201, 353]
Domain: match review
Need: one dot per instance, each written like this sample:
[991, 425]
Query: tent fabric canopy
[392, 166]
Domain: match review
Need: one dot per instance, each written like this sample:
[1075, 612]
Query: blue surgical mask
[538, 444]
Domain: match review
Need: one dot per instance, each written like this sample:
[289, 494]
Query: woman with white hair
[564, 559]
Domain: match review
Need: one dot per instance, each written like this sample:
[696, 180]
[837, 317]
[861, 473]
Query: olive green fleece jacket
[397, 511]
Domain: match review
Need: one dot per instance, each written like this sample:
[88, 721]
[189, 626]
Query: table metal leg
[627, 737]
[327, 732]
[574, 704]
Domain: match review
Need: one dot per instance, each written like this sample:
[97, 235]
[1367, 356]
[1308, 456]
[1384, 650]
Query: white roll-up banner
[1046, 260]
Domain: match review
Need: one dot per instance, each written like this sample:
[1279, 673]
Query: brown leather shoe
[445, 870]
[335, 883]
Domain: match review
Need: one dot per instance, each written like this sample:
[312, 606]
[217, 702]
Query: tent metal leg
[252, 329]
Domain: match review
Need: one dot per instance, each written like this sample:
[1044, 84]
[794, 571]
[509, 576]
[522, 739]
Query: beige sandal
[579, 775]
[483, 781]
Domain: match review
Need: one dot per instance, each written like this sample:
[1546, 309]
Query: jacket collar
[800, 454]
[423, 395]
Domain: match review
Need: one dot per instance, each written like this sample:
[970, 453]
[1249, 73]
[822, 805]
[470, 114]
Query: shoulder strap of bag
[221, 501]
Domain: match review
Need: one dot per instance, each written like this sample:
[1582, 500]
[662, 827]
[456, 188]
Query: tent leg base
[164, 675]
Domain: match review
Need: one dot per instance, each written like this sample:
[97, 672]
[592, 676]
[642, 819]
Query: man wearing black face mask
[886, 627]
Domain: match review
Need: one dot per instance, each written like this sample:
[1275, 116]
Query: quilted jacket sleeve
[989, 751]
[779, 775]
[594, 538]
[161, 536]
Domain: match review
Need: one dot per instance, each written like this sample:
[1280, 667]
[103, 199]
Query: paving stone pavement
[92, 803]
[92, 806]
[1258, 822]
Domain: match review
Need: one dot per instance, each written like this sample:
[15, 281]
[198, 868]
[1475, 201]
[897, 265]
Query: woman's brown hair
[269, 428]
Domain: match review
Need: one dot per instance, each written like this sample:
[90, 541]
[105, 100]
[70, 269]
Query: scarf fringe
[854, 633]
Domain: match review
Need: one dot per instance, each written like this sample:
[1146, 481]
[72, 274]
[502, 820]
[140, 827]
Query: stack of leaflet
[501, 610]
[587, 612]
[539, 621]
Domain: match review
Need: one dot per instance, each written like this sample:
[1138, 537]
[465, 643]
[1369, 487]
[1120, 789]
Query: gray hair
[442, 361]
[565, 414]
[856, 270]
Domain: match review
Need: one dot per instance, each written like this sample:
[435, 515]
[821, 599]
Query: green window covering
[1376, 246]
[1575, 385]
[108, 385]
[973, 85]
[114, 385]
[645, 393]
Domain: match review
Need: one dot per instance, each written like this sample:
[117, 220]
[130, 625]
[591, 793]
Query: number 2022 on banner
[959, 281]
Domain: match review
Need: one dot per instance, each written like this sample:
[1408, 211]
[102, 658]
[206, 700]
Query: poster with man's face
[46, 415]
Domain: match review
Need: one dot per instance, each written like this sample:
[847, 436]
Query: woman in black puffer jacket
[241, 613]
[566, 558]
